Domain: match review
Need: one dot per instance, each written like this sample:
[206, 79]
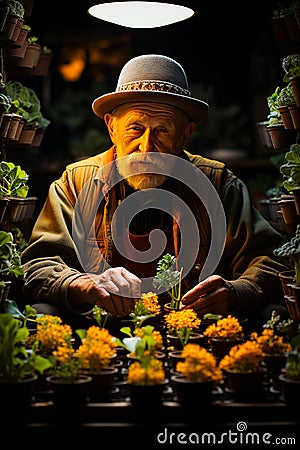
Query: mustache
[156, 160]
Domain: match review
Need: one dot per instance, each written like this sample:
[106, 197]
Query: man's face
[138, 130]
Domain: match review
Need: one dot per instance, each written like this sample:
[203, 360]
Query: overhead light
[140, 14]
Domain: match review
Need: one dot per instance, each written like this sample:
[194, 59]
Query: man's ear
[189, 130]
[108, 119]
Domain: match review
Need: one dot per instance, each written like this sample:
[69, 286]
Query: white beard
[139, 163]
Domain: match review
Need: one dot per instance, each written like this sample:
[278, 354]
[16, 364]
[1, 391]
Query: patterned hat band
[161, 86]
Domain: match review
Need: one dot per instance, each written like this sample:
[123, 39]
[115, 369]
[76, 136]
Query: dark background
[227, 49]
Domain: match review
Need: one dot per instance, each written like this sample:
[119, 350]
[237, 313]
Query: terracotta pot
[31, 57]
[287, 277]
[281, 138]
[43, 65]
[295, 115]
[286, 117]
[262, 128]
[20, 209]
[295, 287]
[295, 82]
[13, 127]
[6, 37]
[27, 134]
[193, 393]
[18, 52]
[288, 209]
[291, 307]
[38, 137]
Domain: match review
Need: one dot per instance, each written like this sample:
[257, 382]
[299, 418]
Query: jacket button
[198, 266]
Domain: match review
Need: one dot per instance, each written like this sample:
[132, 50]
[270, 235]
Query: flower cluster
[199, 364]
[182, 323]
[271, 343]
[227, 328]
[150, 301]
[51, 333]
[65, 363]
[147, 306]
[246, 358]
[96, 349]
[151, 373]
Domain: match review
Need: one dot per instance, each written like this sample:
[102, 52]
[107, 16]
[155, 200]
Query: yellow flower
[199, 364]
[226, 328]
[182, 323]
[246, 357]
[271, 343]
[150, 301]
[96, 349]
[51, 333]
[154, 373]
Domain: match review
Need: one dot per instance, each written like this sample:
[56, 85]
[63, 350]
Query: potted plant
[146, 309]
[19, 367]
[224, 334]
[95, 354]
[182, 326]
[197, 374]
[146, 375]
[10, 264]
[243, 369]
[169, 277]
[290, 376]
[290, 171]
[14, 187]
[291, 286]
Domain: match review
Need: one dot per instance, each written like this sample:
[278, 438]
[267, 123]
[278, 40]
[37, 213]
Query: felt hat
[152, 78]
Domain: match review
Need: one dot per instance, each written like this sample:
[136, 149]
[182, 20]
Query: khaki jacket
[75, 222]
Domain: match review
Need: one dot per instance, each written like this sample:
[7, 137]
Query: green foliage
[10, 261]
[16, 361]
[292, 366]
[26, 103]
[291, 168]
[291, 250]
[169, 278]
[13, 180]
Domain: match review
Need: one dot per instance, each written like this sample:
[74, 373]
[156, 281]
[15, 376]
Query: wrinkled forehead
[151, 108]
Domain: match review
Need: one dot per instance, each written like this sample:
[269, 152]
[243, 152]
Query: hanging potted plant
[291, 287]
[14, 187]
[290, 170]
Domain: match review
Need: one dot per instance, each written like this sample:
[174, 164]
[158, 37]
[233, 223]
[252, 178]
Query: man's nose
[146, 144]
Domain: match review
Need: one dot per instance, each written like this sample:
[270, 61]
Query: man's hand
[115, 290]
[213, 295]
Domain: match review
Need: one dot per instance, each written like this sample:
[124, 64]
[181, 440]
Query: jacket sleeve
[252, 267]
[47, 277]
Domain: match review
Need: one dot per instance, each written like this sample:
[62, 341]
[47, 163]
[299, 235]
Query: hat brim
[195, 109]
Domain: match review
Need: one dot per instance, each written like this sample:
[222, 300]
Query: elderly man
[109, 219]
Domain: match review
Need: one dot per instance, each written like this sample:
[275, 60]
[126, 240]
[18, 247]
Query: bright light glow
[140, 14]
